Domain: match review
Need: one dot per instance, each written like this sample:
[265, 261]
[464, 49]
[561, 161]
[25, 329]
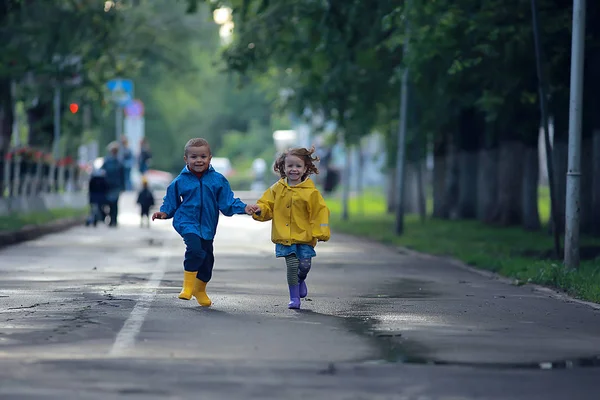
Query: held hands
[159, 215]
[251, 209]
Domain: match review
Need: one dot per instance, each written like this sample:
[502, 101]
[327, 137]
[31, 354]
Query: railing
[33, 181]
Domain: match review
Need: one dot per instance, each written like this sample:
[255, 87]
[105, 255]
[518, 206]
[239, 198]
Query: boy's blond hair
[196, 142]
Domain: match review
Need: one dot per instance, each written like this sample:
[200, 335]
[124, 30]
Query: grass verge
[15, 222]
[511, 252]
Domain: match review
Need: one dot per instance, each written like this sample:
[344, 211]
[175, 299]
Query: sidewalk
[31, 232]
[429, 309]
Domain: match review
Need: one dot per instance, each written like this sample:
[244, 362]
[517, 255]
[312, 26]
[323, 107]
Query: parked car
[222, 165]
[158, 180]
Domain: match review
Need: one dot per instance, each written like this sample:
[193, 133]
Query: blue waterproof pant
[199, 256]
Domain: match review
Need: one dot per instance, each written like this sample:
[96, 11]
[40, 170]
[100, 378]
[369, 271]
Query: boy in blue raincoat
[194, 200]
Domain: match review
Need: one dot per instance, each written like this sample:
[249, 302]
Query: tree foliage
[170, 54]
[344, 57]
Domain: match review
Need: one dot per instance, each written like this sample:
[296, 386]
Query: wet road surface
[93, 313]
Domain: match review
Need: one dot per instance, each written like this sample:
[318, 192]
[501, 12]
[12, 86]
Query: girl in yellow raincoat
[299, 214]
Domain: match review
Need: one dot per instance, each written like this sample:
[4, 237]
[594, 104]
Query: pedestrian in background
[144, 157]
[127, 159]
[194, 200]
[300, 217]
[146, 201]
[115, 179]
[97, 190]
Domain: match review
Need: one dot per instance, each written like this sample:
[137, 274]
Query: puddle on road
[391, 345]
[393, 348]
[403, 289]
[365, 320]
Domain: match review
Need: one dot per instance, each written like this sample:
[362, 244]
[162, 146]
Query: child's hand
[251, 209]
[159, 215]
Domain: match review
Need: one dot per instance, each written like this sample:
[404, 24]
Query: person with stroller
[97, 189]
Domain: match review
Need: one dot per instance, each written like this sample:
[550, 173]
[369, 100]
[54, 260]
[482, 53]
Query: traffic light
[74, 107]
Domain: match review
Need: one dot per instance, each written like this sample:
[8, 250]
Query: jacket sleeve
[319, 215]
[266, 204]
[170, 201]
[228, 204]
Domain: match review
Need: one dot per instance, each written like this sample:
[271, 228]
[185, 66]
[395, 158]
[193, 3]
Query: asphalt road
[92, 313]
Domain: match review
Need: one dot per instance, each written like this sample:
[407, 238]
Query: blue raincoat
[194, 203]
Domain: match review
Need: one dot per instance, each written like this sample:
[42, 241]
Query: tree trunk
[596, 184]
[470, 132]
[487, 184]
[360, 181]
[439, 176]
[531, 175]
[411, 188]
[421, 191]
[346, 185]
[510, 187]
[41, 128]
[467, 186]
[487, 176]
[6, 115]
[452, 177]
[560, 117]
[559, 154]
[392, 192]
[590, 152]
[6, 125]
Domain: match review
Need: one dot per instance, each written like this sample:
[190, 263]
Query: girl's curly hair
[303, 153]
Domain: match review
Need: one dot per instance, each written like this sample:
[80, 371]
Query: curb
[556, 294]
[31, 232]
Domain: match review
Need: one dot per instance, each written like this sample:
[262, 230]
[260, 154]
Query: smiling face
[295, 168]
[197, 159]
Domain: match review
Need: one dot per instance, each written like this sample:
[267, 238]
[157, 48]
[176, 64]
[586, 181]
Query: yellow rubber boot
[188, 285]
[200, 293]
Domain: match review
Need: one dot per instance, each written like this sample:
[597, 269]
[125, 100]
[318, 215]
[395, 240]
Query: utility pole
[56, 139]
[118, 122]
[403, 123]
[573, 205]
[544, 111]
[16, 135]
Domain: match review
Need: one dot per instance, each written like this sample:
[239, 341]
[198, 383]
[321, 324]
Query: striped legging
[297, 269]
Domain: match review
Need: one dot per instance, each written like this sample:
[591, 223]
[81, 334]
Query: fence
[33, 181]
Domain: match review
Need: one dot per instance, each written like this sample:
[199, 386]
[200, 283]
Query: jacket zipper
[201, 201]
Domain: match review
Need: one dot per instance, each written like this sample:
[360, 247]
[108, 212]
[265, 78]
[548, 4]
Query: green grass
[17, 221]
[511, 252]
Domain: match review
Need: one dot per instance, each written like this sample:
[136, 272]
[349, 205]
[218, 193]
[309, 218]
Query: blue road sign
[121, 90]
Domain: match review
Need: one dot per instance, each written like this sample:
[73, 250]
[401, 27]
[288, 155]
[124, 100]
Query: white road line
[126, 337]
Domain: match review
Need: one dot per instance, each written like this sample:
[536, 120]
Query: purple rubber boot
[294, 297]
[303, 289]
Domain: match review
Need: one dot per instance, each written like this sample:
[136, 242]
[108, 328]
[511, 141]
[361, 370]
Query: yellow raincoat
[299, 213]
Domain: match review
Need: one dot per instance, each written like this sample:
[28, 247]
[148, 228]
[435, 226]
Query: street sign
[134, 109]
[121, 91]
